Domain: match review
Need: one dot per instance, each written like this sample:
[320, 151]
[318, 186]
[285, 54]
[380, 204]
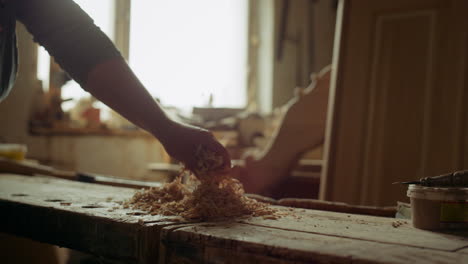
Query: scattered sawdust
[219, 198]
[212, 195]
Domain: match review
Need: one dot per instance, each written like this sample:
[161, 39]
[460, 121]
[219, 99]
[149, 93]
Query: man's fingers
[219, 150]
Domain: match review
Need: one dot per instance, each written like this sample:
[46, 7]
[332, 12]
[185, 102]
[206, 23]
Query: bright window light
[186, 52]
[43, 67]
[102, 12]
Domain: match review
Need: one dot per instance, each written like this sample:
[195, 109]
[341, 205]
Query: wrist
[162, 129]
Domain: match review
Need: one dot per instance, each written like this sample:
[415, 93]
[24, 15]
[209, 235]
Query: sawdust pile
[210, 196]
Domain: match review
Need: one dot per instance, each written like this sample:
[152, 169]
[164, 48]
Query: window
[186, 52]
[43, 67]
[102, 12]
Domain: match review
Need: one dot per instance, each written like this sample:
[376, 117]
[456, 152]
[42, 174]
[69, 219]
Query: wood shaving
[397, 223]
[213, 195]
[219, 198]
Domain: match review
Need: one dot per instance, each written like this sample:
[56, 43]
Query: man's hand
[113, 83]
[182, 142]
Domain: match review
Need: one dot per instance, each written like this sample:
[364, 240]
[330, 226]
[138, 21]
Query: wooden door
[398, 97]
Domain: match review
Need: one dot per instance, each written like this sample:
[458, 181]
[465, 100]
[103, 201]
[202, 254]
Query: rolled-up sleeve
[68, 34]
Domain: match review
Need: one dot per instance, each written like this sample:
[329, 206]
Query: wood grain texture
[463, 250]
[366, 228]
[84, 216]
[78, 216]
[235, 242]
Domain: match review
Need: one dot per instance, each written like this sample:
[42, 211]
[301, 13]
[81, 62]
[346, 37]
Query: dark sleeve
[68, 34]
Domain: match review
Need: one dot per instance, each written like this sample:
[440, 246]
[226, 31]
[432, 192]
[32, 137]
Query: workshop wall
[304, 33]
[122, 156]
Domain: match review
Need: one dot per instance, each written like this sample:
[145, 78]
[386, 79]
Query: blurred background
[243, 69]
[229, 66]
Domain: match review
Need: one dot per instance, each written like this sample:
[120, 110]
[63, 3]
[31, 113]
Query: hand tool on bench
[31, 168]
[454, 179]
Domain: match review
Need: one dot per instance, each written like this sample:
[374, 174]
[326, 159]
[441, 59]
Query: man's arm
[128, 97]
[91, 59]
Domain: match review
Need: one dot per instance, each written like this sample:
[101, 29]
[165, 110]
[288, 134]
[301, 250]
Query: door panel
[398, 112]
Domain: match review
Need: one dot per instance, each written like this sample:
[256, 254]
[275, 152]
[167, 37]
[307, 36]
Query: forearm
[114, 83]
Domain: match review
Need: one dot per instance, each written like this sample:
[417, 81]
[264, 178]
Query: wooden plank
[463, 251]
[84, 217]
[79, 216]
[368, 228]
[337, 207]
[32, 168]
[239, 242]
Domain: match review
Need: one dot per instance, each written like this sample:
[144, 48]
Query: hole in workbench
[19, 194]
[91, 206]
[136, 213]
[53, 200]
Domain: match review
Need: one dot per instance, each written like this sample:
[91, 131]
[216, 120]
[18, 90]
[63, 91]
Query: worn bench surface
[89, 218]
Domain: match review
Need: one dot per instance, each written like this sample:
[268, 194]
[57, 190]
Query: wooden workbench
[89, 218]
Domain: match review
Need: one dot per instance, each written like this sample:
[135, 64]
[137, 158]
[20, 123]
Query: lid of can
[437, 193]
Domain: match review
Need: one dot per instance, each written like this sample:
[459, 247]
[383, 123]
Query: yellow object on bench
[13, 151]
